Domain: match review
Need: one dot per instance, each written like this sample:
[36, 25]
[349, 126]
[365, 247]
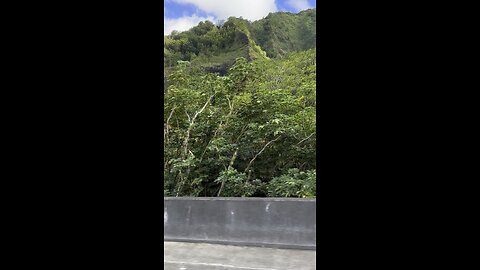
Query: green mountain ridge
[214, 48]
[240, 108]
[283, 32]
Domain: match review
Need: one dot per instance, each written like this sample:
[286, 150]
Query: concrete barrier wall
[274, 222]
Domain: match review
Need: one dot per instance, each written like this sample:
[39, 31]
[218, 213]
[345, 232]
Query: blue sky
[181, 15]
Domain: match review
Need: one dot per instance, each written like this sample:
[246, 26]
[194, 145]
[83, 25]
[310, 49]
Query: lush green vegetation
[236, 121]
[282, 32]
[215, 47]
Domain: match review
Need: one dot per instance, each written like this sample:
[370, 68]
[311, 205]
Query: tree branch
[261, 151]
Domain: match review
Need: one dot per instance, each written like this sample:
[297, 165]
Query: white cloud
[183, 23]
[298, 5]
[222, 9]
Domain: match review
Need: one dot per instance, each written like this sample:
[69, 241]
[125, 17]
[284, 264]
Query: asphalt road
[198, 256]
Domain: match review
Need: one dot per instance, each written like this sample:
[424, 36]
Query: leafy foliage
[232, 135]
[239, 123]
[294, 184]
[215, 47]
[282, 32]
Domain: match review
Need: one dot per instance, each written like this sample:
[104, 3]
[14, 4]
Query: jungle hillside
[240, 108]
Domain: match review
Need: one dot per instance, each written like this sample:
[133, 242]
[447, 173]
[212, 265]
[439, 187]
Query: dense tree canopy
[246, 130]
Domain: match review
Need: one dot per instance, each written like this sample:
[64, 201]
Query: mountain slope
[214, 48]
[282, 32]
[240, 108]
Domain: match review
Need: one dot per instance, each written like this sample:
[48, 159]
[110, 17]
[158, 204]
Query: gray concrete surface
[201, 256]
[267, 222]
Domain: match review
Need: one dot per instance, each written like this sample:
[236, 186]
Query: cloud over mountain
[248, 9]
